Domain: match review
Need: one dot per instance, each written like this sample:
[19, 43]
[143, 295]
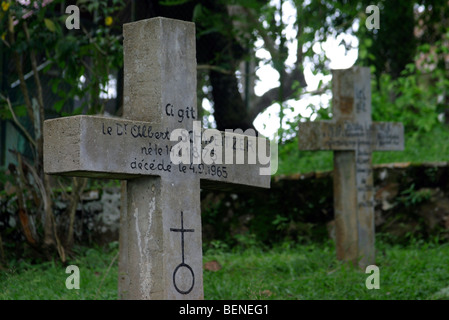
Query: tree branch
[268, 41]
[213, 68]
[78, 186]
[93, 42]
[272, 95]
[34, 67]
[17, 123]
[39, 112]
[289, 79]
[19, 67]
[2, 253]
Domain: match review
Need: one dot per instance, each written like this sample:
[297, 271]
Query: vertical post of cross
[159, 101]
[351, 94]
[352, 136]
[159, 69]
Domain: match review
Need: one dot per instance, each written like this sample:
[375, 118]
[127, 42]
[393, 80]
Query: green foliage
[393, 46]
[292, 160]
[411, 99]
[247, 241]
[411, 197]
[428, 146]
[291, 211]
[309, 272]
[306, 272]
[101, 45]
[215, 247]
[173, 2]
[46, 281]
[416, 98]
[92, 52]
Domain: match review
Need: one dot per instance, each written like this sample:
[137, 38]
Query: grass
[308, 272]
[47, 281]
[312, 272]
[432, 146]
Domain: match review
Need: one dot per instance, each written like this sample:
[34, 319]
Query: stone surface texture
[353, 137]
[160, 227]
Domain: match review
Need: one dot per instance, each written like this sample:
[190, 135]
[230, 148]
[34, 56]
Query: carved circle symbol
[174, 278]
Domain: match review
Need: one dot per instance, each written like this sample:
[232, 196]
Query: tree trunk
[78, 186]
[229, 108]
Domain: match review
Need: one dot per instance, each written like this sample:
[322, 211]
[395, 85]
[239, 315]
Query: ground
[286, 272]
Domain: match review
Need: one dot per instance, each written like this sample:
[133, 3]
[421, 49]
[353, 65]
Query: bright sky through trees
[268, 122]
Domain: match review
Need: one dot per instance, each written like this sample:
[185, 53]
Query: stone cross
[160, 228]
[353, 136]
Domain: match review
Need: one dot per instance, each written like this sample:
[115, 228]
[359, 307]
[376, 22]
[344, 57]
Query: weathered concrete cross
[353, 136]
[160, 233]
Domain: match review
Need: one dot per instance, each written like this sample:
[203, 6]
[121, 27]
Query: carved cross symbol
[183, 264]
[159, 97]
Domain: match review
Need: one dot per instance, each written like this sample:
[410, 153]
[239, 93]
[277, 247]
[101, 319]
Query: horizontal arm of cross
[330, 135]
[182, 230]
[101, 147]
